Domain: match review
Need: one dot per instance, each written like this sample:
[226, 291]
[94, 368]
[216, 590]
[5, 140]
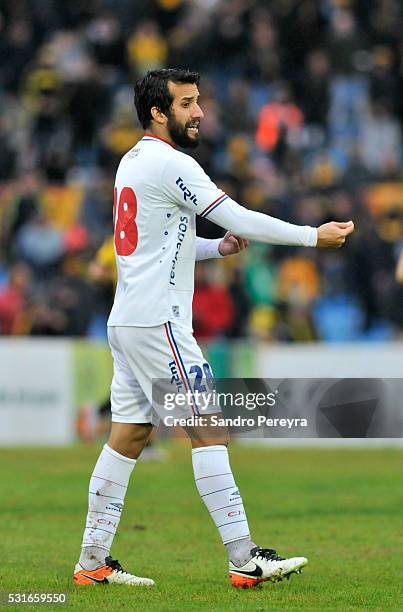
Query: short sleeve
[184, 181]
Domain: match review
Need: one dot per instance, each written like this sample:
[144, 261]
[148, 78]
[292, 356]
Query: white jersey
[155, 237]
[158, 192]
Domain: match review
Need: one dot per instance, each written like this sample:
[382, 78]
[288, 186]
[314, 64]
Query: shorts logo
[187, 194]
[175, 311]
[175, 378]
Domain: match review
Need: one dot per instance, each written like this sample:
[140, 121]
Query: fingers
[343, 229]
[349, 230]
[242, 243]
[347, 227]
[344, 225]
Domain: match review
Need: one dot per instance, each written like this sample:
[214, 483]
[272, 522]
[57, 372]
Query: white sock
[217, 488]
[107, 491]
[239, 551]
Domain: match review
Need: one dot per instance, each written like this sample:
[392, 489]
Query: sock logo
[234, 495]
[107, 522]
[115, 507]
[236, 513]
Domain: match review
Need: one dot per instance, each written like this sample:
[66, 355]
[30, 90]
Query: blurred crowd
[303, 120]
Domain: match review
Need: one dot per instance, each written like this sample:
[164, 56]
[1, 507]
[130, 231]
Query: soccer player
[158, 193]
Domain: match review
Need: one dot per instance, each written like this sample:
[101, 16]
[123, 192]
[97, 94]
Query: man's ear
[158, 116]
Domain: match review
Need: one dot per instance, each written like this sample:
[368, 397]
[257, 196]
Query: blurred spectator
[66, 307]
[399, 267]
[279, 124]
[381, 140]
[43, 319]
[87, 105]
[240, 118]
[51, 129]
[385, 20]
[383, 83]
[229, 32]
[103, 275]
[295, 324]
[302, 25]
[298, 280]
[303, 120]
[261, 322]
[13, 297]
[338, 318]
[241, 304]
[40, 245]
[264, 54]
[23, 207]
[7, 151]
[95, 211]
[17, 43]
[344, 40]
[104, 32]
[213, 309]
[260, 276]
[313, 87]
[146, 48]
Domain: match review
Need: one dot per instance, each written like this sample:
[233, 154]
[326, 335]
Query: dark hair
[152, 90]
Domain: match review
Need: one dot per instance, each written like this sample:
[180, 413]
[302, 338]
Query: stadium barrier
[36, 400]
[43, 382]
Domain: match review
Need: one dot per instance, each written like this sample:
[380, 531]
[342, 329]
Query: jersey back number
[124, 216]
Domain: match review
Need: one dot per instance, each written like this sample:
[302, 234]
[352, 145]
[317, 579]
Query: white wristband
[207, 249]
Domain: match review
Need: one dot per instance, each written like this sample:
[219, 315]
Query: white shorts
[166, 352]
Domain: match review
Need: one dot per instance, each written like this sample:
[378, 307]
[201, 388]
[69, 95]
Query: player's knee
[129, 439]
[130, 449]
[209, 442]
[208, 436]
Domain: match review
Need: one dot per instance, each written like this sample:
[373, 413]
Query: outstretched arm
[185, 183]
[258, 226]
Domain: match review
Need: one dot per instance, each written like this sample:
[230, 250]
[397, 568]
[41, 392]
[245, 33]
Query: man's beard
[179, 133]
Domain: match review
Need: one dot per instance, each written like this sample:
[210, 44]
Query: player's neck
[161, 134]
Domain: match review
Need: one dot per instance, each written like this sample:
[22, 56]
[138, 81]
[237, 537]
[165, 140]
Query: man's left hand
[230, 244]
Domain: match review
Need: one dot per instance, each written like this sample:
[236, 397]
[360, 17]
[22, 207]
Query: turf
[343, 509]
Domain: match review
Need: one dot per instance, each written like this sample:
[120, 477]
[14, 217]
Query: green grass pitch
[343, 509]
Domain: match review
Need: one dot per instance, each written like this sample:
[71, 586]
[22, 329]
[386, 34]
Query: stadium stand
[303, 121]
